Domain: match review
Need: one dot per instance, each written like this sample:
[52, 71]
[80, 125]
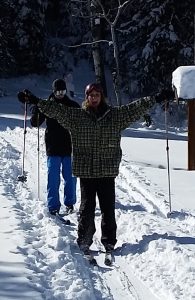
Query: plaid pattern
[96, 142]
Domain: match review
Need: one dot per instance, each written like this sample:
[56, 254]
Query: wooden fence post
[191, 135]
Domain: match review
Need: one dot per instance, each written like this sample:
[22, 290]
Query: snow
[154, 256]
[183, 81]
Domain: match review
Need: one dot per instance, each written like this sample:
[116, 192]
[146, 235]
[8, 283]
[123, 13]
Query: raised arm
[65, 116]
[133, 111]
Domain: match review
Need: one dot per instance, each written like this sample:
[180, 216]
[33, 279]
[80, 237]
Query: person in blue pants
[56, 166]
[59, 151]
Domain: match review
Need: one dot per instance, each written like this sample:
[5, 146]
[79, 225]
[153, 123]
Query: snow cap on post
[183, 82]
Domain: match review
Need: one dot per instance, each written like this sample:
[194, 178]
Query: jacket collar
[100, 113]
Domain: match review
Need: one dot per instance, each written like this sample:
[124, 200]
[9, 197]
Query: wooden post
[191, 135]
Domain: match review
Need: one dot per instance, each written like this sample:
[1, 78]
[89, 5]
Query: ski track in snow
[50, 247]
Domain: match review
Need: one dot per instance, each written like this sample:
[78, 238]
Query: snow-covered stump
[183, 81]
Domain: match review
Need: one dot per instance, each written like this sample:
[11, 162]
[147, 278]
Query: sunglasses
[60, 93]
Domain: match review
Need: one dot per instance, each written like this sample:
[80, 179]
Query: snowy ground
[154, 256]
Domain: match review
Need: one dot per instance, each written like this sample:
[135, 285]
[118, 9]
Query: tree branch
[89, 43]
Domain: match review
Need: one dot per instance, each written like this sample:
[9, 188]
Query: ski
[90, 258]
[108, 259]
[61, 219]
[69, 211]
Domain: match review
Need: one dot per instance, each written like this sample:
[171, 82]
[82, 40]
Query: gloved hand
[28, 97]
[165, 95]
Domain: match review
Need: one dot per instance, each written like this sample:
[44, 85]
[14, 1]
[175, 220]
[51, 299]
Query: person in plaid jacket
[96, 133]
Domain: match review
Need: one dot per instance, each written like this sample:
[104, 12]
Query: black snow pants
[104, 188]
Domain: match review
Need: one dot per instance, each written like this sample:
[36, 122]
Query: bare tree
[96, 30]
[112, 24]
[97, 13]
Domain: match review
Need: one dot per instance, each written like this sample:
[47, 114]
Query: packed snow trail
[50, 246]
[141, 268]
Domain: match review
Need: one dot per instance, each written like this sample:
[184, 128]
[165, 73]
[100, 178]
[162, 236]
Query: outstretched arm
[135, 110]
[65, 116]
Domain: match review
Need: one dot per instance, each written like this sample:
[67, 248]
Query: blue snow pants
[55, 166]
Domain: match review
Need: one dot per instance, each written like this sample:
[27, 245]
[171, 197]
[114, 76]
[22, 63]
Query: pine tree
[29, 24]
[7, 60]
[156, 37]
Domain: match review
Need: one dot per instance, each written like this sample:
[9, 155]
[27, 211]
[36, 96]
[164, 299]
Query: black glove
[165, 95]
[28, 97]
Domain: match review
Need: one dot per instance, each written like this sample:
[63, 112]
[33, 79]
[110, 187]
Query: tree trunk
[116, 75]
[96, 29]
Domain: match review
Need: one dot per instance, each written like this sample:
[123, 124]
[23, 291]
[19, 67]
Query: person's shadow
[142, 245]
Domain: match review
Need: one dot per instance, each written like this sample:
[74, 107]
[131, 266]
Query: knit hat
[59, 85]
[93, 86]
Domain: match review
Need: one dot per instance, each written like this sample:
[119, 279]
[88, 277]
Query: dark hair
[58, 85]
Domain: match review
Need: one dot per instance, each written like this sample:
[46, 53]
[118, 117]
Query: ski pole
[167, 150]
[38, 159]
[23, 177]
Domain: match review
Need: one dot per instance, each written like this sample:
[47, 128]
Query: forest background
[139, 42]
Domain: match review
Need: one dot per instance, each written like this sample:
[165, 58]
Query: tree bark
[96, 29]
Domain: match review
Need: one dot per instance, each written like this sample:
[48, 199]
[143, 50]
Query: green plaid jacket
[96, 141]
